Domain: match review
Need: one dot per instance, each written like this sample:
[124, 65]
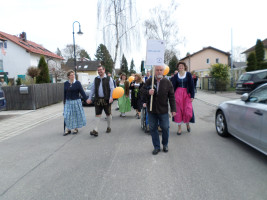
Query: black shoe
[108, 130]
[188, 129]
[94, 133]
[67, 132]
[117, 109]
[165, 149]
[179, 133]
[155, 151]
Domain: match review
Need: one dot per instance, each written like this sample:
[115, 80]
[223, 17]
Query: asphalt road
[42, 164]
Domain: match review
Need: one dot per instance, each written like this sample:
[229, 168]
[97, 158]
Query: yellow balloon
[166, 70]
[131, 78]
[117, 92]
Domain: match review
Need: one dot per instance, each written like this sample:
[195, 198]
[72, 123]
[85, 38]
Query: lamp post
[79, 33]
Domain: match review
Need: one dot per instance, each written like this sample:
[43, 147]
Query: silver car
[245, 119]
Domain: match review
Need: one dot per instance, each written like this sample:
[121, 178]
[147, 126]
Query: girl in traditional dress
[74, 117]
[124, 102]
[183, 86]
[135, 86]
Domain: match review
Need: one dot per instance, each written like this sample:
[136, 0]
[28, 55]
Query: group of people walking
[178, 93]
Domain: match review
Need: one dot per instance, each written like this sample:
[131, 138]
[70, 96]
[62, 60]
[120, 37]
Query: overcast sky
[202, 22]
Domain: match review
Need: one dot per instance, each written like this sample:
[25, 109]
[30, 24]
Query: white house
[18, 54]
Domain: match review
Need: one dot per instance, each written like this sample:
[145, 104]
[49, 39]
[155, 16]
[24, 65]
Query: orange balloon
[117, 92]
[131, 78]
[166, 70]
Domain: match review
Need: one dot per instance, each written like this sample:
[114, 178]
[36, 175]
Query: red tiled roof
[30, 46]
[1, 38]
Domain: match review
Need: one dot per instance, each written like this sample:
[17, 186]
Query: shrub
[43, 76]
[18, 81]
[220, 73]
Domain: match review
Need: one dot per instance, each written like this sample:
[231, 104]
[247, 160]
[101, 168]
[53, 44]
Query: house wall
[92, 72]
[198, 62]
[16, 61]
[86, 77]
[265, 54]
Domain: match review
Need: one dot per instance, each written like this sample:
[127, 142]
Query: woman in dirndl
[184, 93]
[124, 102]
[74, 117]
[136, 102]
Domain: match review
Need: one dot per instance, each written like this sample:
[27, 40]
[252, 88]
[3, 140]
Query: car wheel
[221, 125]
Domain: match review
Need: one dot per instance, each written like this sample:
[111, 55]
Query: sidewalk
[20, 120]
[12, 123]
[214, 99]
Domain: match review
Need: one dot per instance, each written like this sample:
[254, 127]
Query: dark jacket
[105, 85]
[160, 99]
[72, 92]
[190, 84]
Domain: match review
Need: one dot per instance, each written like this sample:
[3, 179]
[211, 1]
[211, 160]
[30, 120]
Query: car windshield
[245, 77]
[89, 86]
[259, 96]
[262, 75]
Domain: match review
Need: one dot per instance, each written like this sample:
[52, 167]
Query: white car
[245, 119]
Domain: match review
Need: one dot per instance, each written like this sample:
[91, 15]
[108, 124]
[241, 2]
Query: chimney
[23, 36]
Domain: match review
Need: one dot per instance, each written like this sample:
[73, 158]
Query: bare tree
[116, 19]
[68, 51]
[237, 54]
[162, 25]
[56, 70]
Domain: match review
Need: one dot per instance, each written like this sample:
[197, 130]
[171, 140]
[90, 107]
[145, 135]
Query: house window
[217, 60]
[3, 44]
[208, 61]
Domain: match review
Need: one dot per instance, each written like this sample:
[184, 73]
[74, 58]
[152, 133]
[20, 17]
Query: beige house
[251, 49]
[202, 60]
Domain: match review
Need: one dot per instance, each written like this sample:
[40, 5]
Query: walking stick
[152, 87]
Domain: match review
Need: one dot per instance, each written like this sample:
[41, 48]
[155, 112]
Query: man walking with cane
[162, 93]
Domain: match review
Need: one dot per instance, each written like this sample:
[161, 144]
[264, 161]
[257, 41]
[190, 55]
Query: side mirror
[244, 97]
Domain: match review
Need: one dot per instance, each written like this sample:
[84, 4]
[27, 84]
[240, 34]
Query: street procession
[133, 100]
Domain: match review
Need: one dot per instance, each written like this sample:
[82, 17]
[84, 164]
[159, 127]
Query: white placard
[155, 52]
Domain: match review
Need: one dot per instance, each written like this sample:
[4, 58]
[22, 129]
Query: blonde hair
[140, 80]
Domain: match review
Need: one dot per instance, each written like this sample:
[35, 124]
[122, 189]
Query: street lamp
[79, 33]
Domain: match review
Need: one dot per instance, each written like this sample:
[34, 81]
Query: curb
[210, 104]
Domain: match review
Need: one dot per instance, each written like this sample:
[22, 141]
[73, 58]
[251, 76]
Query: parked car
[2, 100]
[250, 80]
[87, 92]
[245, 118]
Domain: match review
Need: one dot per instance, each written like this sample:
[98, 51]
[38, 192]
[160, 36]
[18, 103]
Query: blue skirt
[73, 114]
